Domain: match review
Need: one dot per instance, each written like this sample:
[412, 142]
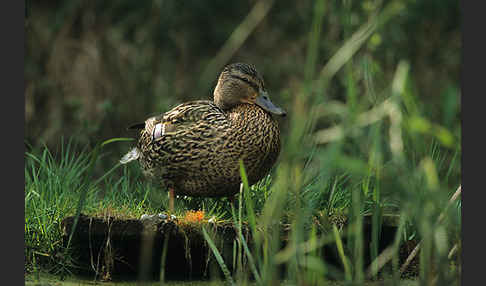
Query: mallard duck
[194, 149]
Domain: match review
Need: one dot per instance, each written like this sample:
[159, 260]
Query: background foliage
[94, 67]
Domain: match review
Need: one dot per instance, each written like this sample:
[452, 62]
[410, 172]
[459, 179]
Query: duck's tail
[133, 154]
[136, 126]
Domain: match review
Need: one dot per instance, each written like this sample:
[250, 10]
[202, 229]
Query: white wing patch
[159, 131]
[130, 156]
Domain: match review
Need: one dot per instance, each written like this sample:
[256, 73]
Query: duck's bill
[264, 102]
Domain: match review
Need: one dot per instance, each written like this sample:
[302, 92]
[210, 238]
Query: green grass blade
[218, 257]
[248, 201]
[251, 261]
[342, 255]
[117, 139]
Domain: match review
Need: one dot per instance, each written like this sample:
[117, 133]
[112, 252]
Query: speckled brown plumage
[195, 148]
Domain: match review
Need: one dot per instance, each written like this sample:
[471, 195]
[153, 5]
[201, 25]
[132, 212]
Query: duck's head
[241, 83]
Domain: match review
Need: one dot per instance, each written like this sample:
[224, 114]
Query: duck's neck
[223, 100]
[250, 115]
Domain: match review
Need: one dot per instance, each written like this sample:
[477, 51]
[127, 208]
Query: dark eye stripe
[252, 84]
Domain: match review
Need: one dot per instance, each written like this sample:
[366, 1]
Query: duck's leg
[171, 200]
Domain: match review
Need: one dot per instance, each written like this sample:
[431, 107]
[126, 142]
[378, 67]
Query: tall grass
[45, 209]
[381, 156]
[60, 185]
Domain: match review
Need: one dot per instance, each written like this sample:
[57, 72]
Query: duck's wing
[186, 112]
[194, 119]
[189, 116]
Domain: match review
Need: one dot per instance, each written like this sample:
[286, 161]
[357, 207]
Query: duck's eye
[247, 81]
